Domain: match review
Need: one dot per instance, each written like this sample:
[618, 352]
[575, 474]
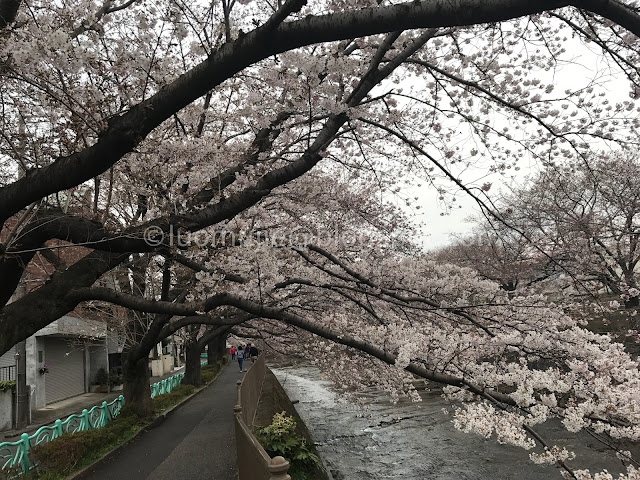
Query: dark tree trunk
[8, 12]
[137, 392]
[633, 302]
[217, 349]
[222, 345]
[36, 310]
[212, 352]
[192, 365]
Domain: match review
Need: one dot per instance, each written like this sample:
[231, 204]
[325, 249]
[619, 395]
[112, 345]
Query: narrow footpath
[195, 442]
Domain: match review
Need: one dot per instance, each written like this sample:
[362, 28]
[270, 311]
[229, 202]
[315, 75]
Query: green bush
[115, 379]
[208, 372]
[7, 385]
[281, 438]
[102, 377]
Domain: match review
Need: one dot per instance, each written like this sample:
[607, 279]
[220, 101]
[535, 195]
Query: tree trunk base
[136, 388]
[192, 366]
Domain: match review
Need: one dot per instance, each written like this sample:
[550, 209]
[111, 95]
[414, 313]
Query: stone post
[278, 469]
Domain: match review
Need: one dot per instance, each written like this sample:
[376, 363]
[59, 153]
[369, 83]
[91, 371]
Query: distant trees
[578, 218]
[584, 219]
[500, 254]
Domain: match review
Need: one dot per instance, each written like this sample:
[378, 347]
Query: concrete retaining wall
[6, 410]
[274, 399]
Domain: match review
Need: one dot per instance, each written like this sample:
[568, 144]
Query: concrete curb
[80, 474]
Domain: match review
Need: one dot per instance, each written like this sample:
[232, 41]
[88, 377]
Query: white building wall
[92, 333]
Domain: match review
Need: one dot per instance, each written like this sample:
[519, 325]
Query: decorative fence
[166, 385]
[253, 462]
[16, 454]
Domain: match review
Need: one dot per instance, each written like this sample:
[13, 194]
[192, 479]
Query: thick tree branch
[212, 333]
[613, 10]
[128, 130]
[258, 310]
[262, 311]
[8, 12]
[36, 310]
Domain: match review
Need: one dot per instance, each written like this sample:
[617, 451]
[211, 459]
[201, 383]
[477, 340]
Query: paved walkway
[194, 442]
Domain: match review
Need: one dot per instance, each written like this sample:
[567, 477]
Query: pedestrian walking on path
[195, 442]
[253, 351]
[247, 354]
[232, 351]
[240, 357]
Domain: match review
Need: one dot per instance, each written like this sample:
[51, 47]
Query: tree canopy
[245, 165]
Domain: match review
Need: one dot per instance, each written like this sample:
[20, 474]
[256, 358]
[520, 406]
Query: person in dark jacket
[253, 353]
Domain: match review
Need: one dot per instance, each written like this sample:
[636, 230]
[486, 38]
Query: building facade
[62, 359]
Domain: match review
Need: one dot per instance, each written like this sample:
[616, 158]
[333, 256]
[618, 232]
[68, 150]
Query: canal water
[375, 439]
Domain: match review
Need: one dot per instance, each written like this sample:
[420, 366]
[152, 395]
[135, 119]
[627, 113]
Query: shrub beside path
[196, 441]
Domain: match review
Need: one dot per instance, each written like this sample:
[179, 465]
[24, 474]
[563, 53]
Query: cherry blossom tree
[108, 93]
[586, 216]
[500, 254]
[525, 358]
[127, 127]
[253, 254]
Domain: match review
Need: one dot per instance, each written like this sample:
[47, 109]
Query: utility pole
[22, 390]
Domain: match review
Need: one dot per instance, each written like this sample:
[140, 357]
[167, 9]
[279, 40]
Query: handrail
[17, 453]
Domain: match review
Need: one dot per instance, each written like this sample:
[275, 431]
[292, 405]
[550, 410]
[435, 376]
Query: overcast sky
[581, 66]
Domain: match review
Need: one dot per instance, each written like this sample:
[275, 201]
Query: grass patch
[72, 451]
[208, 372]
[12, 473]
[168, 400]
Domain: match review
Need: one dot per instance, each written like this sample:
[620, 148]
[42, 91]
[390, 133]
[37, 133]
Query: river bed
[417, 441]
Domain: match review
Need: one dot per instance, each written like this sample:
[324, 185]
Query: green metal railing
[16, 454]
[166, 385]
